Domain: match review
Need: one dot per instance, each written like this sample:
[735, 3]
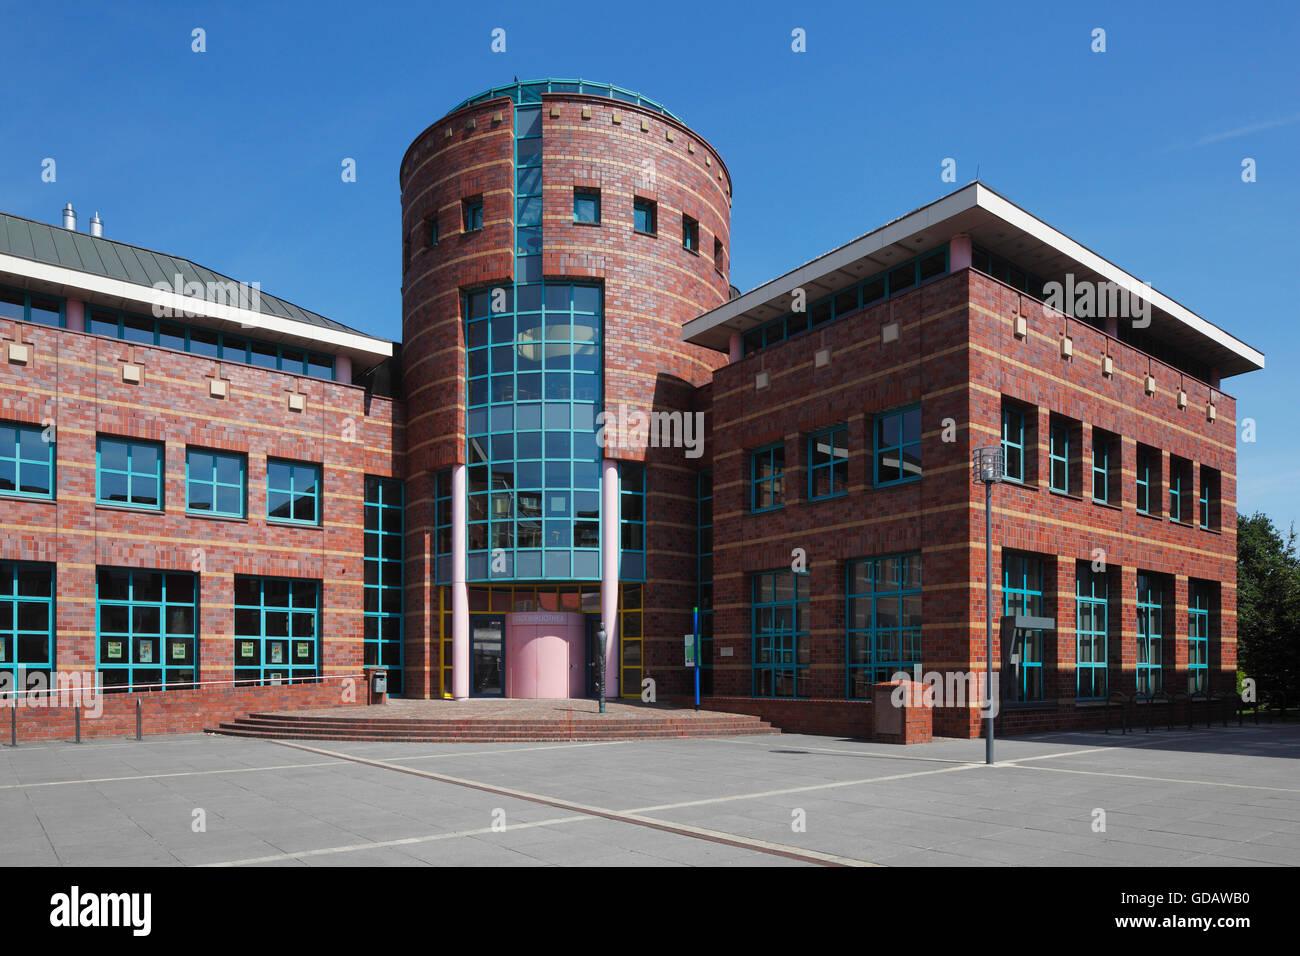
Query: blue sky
[232, 157]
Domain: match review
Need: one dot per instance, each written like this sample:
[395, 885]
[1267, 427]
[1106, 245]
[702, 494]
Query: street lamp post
[986, 468]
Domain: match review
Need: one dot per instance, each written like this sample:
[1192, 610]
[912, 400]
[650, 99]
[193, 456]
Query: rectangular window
[1208, 500]
[898, 446]
[1150, 624]
[383, 577]
[586, 206]
[780, 635]
[1059, 452]
[215, 482]
[442, 524]
[1103, 462]
[431, 230]
[704, 576]
[1198, 637]
[767, 473]
[147, 628]
[27, 306]
[277, 629]
[828, 463]
[26, 461]
[1148, 480]
[645, 214]
[26, 624]
[719, 255]
[1022, 593]
[472, 212]
[1091, 597]
[1180, 489]
[690, 234]
[129, 472]
[883, 617]
[632, 527]
[292, 492]
[1013, 442]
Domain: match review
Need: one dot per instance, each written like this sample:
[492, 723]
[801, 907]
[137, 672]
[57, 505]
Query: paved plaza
[1223, 796]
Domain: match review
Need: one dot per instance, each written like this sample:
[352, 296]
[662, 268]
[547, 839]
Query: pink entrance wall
[546, 654]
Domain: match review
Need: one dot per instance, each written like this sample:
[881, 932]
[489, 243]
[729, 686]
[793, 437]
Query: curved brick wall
[652, 287]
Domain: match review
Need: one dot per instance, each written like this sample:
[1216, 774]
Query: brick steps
[488, 730]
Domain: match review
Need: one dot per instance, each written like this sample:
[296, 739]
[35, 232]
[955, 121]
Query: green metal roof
[54, 245]
[531, 92]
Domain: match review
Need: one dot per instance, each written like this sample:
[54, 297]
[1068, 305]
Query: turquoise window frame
[214, 483]
[535, 374]
[690, 234]
[161, 625]
[225, 347]
[881, 448]
[1058, 454]
[134, 448]
[442, 526]
[1020, 596]
[27, 623]
[704, 574]
[19, 444]
[383, 601]
[1013, 443]
[473, 215]
[1143, 480]
[586, 206]
[1091, 662]
[27, 295]
[883, 620]
[904, 277]
[773, 481]
[632, 502]
[1150, 636]
[276, 611]
[645, 210]
[1198, 638]
[833, 464]
[292, 493]
[1208, 491]
[1100, 467]
[781, 643]
[1178, 468]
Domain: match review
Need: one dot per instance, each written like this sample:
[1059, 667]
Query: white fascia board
[1033, 226]
[180, 304]
[945, 208]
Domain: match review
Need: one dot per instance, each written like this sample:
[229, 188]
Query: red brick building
[586, 430]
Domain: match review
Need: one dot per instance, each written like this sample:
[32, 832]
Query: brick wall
[75, 381]
[174, 712]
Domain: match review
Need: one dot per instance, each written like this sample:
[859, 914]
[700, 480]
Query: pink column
[609, 544]
[76, 315]
[735, 351]
[459, 589]
[343, 369]
[959, 252]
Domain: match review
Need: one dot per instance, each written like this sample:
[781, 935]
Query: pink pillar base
[609, 544]
[459, 589]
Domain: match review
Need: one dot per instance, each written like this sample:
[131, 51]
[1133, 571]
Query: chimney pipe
[69, 218]
[96, 225]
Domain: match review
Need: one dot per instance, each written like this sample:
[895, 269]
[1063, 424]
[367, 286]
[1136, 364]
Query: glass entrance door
[487, 655]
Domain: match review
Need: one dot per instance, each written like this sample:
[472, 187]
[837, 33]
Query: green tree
[1268, 607]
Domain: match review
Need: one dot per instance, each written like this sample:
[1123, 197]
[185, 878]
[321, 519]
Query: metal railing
[97, 692]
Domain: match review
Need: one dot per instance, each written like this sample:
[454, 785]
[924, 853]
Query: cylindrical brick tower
[556, 236]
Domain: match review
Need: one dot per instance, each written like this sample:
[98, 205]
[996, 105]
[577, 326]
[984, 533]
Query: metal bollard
[13, 725]
[76, 720]
[139, 733]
